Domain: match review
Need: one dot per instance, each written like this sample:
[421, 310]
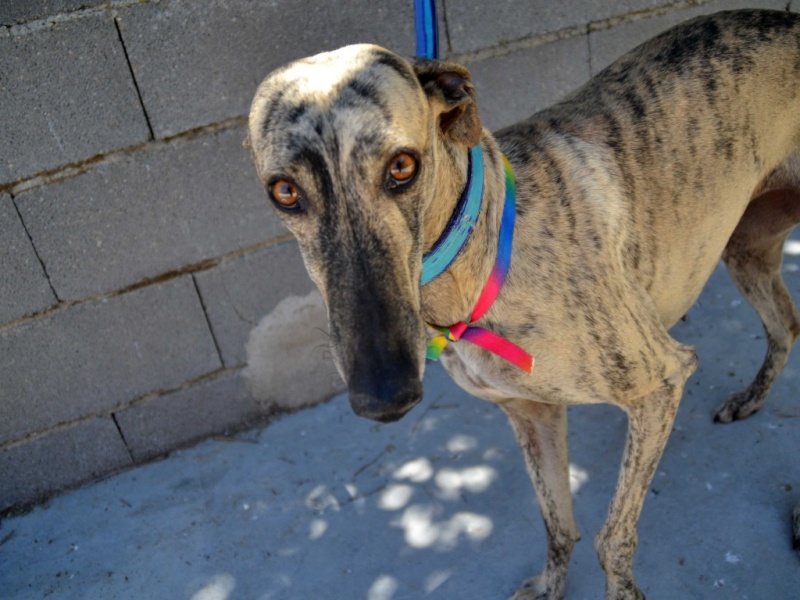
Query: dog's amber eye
[402, 169]
[284, 193]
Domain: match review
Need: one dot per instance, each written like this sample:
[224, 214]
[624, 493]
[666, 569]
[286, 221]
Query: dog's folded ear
[452, 97]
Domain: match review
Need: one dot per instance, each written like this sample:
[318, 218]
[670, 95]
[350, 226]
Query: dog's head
[347, 145]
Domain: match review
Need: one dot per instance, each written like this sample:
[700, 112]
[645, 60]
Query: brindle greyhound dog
[628, 192]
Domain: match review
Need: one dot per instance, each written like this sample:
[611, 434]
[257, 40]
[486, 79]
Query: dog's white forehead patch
[321, 73]
[317, 85]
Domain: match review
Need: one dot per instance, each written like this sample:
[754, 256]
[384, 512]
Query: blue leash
[427, 29]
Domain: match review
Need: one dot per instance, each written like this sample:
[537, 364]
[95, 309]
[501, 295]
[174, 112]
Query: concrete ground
[322, 504]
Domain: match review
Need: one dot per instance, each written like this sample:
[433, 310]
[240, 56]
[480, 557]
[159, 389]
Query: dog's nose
[385, 399]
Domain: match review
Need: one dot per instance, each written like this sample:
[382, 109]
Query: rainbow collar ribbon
[466, 330]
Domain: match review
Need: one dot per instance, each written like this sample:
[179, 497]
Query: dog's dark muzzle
[383, 369]
[386, 400]
[384, 391]
[377, 332]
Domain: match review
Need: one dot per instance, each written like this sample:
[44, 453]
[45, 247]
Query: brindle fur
[629, 191]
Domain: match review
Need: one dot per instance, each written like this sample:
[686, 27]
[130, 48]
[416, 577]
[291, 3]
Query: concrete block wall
[148, 295]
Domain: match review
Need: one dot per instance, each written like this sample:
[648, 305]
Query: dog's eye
[285, 194]
[401, 170]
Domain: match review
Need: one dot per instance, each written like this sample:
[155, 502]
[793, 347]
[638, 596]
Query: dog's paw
[628, 591]
[739, 406]
[535, 589]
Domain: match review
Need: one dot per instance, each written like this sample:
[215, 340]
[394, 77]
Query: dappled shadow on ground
[411, 513]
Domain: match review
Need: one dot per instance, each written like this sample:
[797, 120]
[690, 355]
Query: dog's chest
[486, 376]
[467, 377]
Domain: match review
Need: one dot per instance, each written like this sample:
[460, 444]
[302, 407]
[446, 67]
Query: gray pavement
[322, 504]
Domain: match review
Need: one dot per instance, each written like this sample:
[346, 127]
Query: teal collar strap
[461, 224]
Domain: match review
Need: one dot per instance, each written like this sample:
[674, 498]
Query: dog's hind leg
[753, 256]
[541, 431]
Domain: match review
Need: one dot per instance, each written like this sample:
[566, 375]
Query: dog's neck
[451, 296]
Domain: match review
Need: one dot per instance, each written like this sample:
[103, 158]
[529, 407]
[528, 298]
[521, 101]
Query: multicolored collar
[461, 224]
[466, 329]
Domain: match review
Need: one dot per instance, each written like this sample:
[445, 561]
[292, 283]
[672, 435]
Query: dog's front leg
[650, 421]
[541, 431]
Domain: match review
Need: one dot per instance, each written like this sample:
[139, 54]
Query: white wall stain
[288, 355]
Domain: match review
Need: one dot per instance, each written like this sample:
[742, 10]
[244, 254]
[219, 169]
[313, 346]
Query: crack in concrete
[35, 251]
[133, 78]
[122, 437]
[446, 28]
[208, 320]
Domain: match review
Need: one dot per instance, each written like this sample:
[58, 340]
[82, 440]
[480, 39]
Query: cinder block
[23, 286]
[13, 12]
[476, 25]
[610, 44]
[151, 213]
[200, 62]
[66, 94]
[237, 294]
[514, 86]
[32, 471]
[158, 426]
[95, 356]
